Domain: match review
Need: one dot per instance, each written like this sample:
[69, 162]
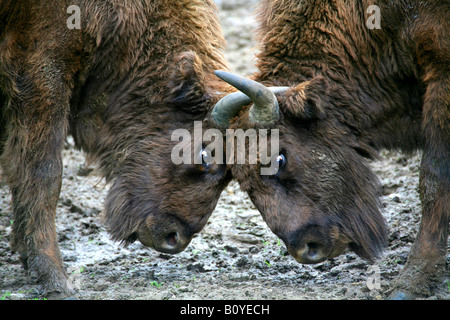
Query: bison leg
[32, 163]
[425, 268]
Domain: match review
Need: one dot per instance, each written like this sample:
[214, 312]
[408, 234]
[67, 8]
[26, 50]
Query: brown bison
[357, 85]
[119, 76]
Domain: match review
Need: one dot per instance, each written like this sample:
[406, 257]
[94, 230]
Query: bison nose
[312, 243]
[310, 253]
[171, 242]
[168, 235]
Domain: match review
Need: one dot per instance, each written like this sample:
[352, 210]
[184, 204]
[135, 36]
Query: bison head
[154, 199]
[321, 197]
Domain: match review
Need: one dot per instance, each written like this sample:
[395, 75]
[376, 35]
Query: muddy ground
[236, 256]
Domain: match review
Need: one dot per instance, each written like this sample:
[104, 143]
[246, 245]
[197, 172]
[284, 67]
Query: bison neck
[372, 87]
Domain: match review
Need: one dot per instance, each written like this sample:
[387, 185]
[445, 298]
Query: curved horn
[228, 107]
[264, 110]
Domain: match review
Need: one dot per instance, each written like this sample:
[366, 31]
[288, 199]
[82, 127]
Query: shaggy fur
[135, 71]
[354, 91]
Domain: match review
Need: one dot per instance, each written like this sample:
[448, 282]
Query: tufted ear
[186, 88]
[306, 100]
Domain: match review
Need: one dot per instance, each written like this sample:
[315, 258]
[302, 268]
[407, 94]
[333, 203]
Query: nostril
[313, 249]
[172, 239]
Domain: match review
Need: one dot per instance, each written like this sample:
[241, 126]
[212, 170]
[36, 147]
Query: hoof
[61, 296]
[401, 295]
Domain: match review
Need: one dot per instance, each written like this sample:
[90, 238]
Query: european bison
[357, 85]
[119, 79]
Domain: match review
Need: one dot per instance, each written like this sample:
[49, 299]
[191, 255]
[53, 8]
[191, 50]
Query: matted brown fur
[135, 71]
[354, 91]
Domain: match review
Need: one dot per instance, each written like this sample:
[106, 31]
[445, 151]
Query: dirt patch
[236, 256]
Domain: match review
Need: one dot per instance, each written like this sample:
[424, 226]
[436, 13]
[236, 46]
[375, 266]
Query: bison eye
[281, 160]
[206, 157]
[277, 164]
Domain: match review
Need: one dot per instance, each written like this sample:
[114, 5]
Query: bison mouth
[314, 252]
[315, 243]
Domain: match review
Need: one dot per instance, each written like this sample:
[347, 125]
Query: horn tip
[221, 73]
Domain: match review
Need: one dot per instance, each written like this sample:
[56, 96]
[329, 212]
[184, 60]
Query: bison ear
[306, 100]
[186, 90]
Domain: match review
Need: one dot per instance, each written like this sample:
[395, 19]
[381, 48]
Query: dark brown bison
[353, 90]
[119, 79]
